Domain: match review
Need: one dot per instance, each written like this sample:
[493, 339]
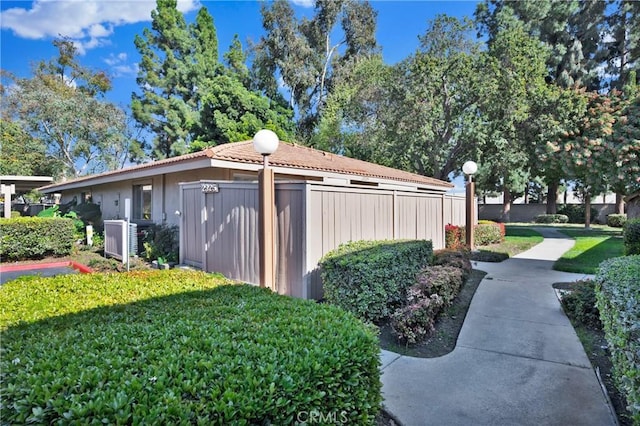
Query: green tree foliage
[571, 30]
[354, 118]
[61, 106]
[438, 92]
[516, 79]
[21, 154]
[622, 166]
[586, 148]
[420, 115]
[310, 55]
[166, 106]
[189, 100]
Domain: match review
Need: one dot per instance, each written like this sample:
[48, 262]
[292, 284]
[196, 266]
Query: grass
[518, 239]
[591, 248]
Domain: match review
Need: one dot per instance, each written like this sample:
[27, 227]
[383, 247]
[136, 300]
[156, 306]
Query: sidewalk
[517, 361]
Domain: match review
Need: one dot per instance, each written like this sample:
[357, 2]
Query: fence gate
[219, 228]
[192, 224]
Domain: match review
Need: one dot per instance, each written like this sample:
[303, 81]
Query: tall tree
[439, 89]
[585, 149]
[61, 106]
[571, 30]
[308, 54]
[168, 79]
[622, 165]
[189, 99]
[420, 115]
[518, 70]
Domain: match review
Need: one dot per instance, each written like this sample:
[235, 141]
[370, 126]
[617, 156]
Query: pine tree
[175, 60]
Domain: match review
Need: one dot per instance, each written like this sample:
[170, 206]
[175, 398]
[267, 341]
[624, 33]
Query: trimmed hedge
[616, 220]
[34, 237]
[618, 300]
[551, 218]
[631, 237]
[488, 233]
[370, 278]
[176, 347]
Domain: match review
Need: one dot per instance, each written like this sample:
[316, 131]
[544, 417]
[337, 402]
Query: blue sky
[104, 30]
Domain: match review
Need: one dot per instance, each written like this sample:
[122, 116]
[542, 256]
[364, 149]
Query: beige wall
[165, 196]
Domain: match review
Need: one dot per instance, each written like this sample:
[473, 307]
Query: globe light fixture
[470, 168]
[265, 142]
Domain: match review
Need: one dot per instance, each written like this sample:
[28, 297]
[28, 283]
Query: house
[322, 200]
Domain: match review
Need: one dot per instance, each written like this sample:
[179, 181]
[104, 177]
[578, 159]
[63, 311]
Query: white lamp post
[265, 142]
[470, 168]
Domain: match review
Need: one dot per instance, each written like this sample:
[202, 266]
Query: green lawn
[591, 248]
[517, 240]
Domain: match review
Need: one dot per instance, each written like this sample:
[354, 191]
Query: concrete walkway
[517, 361]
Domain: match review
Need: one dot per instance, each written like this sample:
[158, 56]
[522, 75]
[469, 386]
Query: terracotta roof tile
[302, 157]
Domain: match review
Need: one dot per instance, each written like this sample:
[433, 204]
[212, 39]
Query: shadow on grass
[589, 260]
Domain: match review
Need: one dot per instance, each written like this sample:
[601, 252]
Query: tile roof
[288, 155]
[301, 157]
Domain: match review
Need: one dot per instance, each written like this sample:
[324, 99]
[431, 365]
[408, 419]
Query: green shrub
[162, 242]
[616, 220]
[576, 212]
[551, 218]
[370, 278]
[503, 229]
[34, 237]
[631, 236]
[618, 300]
[176, 347]
[580, 303]
[490, 233]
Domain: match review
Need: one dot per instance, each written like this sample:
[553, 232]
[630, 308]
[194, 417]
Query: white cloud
[118, 66]
[304, 3]
[88, 22]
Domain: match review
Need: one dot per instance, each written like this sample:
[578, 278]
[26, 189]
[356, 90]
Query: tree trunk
[506, 206]
[587, 211]
[552, 197]
[619, 203]
[526, 193]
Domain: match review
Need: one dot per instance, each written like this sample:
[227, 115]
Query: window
[142, 202]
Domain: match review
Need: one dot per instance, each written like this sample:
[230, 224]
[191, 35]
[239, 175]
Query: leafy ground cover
[178, 347]
[591, 248]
